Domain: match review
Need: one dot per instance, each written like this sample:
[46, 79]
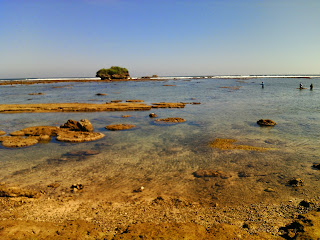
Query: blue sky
[75, 38]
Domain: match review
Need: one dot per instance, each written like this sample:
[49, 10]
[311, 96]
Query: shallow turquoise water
[223, 113]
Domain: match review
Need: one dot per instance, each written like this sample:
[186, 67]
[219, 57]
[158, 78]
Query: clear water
[163, 157]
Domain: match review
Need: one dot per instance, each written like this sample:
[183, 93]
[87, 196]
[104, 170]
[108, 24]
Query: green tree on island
[114, 72]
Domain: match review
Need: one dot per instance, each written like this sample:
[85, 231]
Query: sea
[164, 157]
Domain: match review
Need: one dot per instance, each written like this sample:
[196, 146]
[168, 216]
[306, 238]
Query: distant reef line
[17, 82]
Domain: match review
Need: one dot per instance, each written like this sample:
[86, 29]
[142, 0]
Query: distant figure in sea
[311, 86]
[262, 84]
[301, 86]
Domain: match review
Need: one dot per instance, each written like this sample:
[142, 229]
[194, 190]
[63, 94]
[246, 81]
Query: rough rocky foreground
[84, 107]
[34, 214]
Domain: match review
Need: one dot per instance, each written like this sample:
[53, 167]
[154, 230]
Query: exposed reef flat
[83, 107]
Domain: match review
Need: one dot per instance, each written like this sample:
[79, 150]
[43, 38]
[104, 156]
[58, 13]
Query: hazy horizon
[47, 38]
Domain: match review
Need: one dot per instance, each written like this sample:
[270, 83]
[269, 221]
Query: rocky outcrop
[71, 131]
[83, 125]
[306, 226]
[12, 192]
[117, 127]
[171, 120]
[266, 122]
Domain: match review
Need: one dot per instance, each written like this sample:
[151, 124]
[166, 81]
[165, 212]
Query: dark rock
[316, 165]
[266, 122]
[153, 115]
[307, 203]
[296, 182]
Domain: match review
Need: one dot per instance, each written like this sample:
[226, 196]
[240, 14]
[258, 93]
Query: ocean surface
[163, 157]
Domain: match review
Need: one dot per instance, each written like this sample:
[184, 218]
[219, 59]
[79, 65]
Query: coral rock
[17, 141]
[73, 136]
[116, 127]
[171, 120]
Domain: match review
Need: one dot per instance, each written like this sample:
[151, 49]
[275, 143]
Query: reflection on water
[162, 158]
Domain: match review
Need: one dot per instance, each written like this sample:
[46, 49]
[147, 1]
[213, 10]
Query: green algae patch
[228, 144]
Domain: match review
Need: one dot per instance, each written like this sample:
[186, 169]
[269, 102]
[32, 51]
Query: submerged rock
[171, 120]
[36, 93]
[81, 153]
[117, 127]
[168, 105]
[266, 122]
[210, 173]
[227, 144]
[73, 136]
